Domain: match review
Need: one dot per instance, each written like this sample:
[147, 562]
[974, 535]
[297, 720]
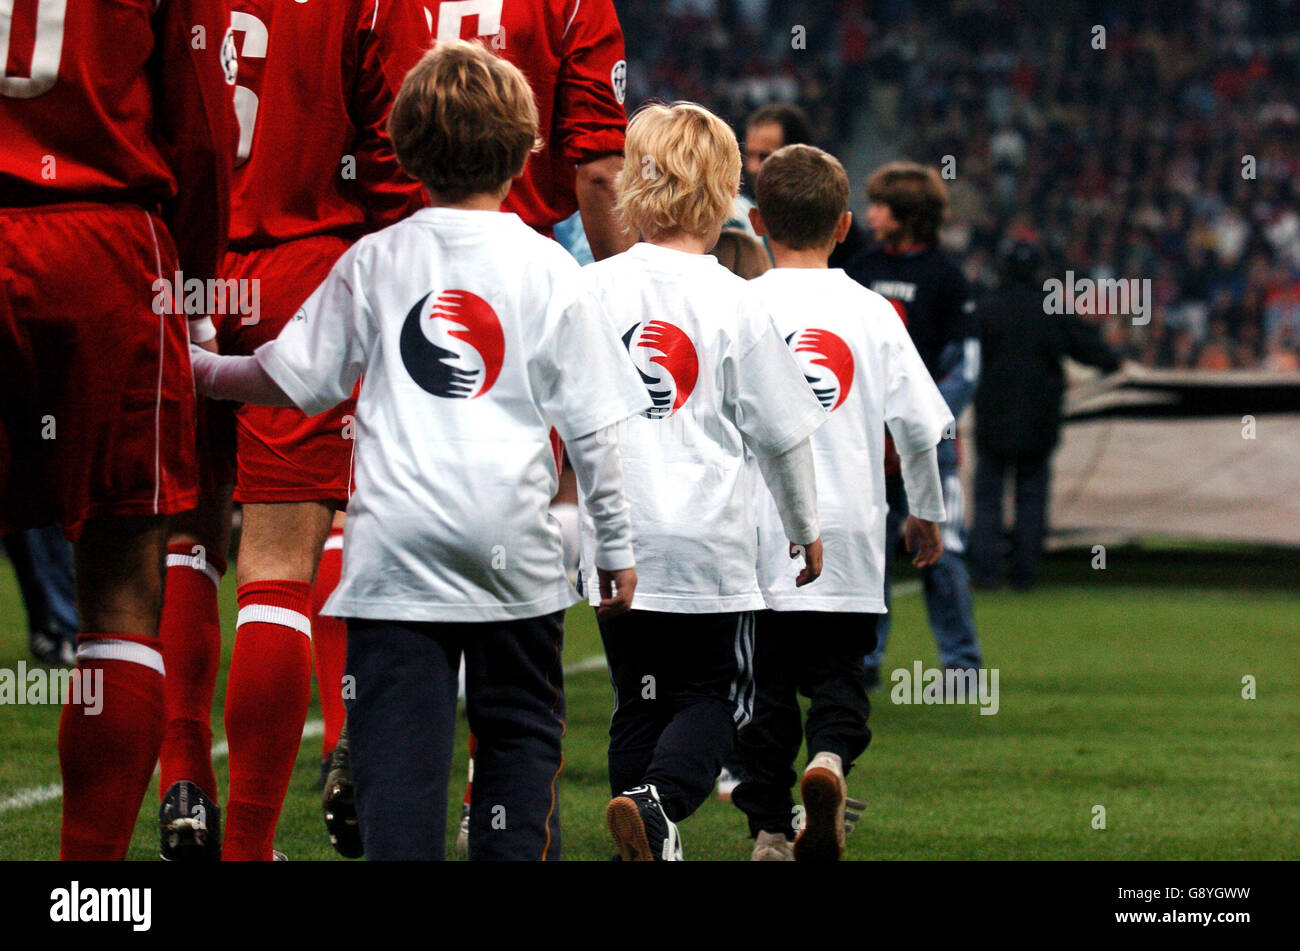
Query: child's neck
[782, 256]
[681, 241]
[479, 201]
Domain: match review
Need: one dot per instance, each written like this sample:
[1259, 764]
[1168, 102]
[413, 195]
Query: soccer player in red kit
[118, 137]
[314, 172]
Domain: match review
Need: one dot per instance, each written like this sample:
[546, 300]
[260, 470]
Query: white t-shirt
[721, 378]
[861, 363]
[475, 337]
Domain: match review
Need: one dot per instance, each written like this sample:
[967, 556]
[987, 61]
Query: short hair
[802, 192]
[464, 121]
[741, 254]
[795, 127]
[915, 195]
[681, 171]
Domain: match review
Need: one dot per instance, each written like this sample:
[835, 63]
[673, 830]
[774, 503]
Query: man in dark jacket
[1018, 412]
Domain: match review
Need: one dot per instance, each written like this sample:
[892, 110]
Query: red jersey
[122, 102]
[316, 83]
[572, 53]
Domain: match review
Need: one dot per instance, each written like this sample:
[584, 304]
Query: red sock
[190, 631]
[109, 734]
[329, 639]
[266, 707]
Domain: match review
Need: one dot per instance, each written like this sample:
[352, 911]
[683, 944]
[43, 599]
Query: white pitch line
[50, 792]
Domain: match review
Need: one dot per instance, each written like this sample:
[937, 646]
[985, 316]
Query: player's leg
[111, 729]
[401, 727]
[946, 584]
[767, 747]
[190, 631]
[896, 499]
[514, 693]
[1033, 482]
[836, 728]
[712, 696]
[269, 684]
[642, 686]
[986, 535]
[329, 641]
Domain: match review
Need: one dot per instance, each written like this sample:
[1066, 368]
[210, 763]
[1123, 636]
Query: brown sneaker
[772, 847]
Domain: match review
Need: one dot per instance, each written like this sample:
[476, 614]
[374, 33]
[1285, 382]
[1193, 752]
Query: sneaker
[278, 856]
[641, 830]
[189, 825]
[727, 783]
[824, 794]
[50, 649]
[462, 833]
[772, 847]
[339, 802]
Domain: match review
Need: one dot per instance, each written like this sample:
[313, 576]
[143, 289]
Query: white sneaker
[727, 784]
[824, 794]
[772, 847]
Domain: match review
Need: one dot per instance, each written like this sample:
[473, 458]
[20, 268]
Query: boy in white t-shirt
[860, 362]
[466, 325]
[722, 382]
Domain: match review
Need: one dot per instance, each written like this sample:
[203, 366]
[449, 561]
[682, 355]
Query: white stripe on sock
[131, 651]
[197, 563]
[333, 543]
[269, 614]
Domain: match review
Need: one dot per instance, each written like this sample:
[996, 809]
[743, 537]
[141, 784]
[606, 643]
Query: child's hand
[812, 559]
[923, 538]
[611, 604]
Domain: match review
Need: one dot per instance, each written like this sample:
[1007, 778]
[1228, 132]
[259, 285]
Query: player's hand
[208, 345]
[616, 589]
[923, 539]
[812, 561]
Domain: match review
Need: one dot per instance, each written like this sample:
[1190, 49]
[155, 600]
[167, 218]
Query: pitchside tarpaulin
[1177, 453]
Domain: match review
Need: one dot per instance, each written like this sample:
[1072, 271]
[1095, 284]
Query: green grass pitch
[1120, 688]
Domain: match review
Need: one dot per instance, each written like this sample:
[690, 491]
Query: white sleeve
[581, 374]
[915, 411]
[923, 485]
[322, 351]
[770, 401]
[792, 480]
[234, 378]
[599, 468]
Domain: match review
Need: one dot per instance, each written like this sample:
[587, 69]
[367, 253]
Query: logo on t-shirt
[452, 345]
[827, 364]
[618, 80]
[667, 362]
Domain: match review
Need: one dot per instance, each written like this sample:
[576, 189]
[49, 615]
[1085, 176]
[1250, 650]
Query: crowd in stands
[1161, 149]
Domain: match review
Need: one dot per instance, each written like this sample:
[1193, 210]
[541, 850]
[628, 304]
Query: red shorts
[97, 399]
[283, 455]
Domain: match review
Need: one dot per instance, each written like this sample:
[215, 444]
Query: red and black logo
[667, 362]
[827, 364]
[458, 351]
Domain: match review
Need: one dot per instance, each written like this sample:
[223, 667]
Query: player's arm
[389, 38]
[959, 360]
[590, 121]
[917, 417]
[599, 468]
[196, 129]
[1083, 343]
[596, 196]
[771, 404]
[315, 362]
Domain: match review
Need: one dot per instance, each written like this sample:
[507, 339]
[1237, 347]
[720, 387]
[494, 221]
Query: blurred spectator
[741, 254]
[1018, 413]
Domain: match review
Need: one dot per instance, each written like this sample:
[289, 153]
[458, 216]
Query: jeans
[946, 583]
[1033, 482]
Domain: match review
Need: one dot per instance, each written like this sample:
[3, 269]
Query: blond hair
[740, 254]
[681, 171]
[464, 121]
